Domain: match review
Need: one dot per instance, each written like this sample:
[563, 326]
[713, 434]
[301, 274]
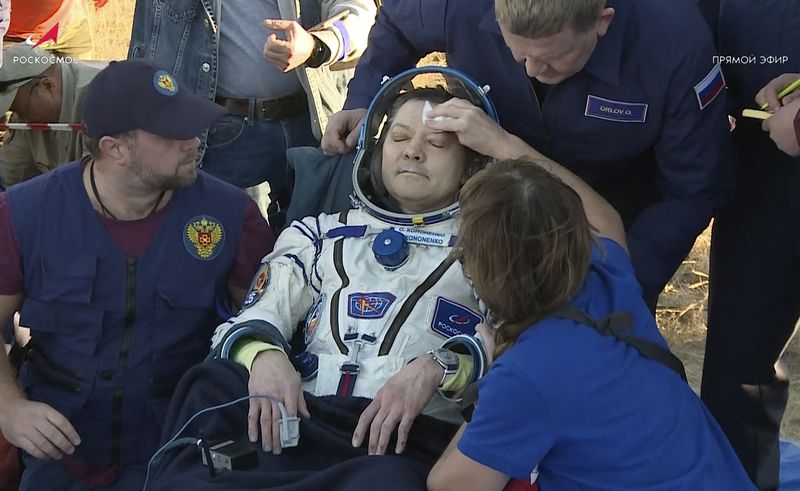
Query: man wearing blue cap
[115, 262]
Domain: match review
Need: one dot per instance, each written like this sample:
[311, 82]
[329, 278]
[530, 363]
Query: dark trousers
[754, 304]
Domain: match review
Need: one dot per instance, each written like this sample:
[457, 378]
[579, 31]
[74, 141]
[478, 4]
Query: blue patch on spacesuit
[371, 305]
[451, 319]
[312, 319]
[257, 287]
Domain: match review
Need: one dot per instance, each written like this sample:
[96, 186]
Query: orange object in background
[9, 466]
[62, 26]
[28, 15]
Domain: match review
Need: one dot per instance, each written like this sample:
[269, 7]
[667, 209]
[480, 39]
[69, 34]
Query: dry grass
[682, 310]
[111, 26]
[681, 316]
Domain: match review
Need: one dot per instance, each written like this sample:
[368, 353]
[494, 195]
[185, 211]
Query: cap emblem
[165, 83]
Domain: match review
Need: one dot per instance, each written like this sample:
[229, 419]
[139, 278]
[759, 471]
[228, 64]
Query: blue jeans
[246, 153]
[47, 474]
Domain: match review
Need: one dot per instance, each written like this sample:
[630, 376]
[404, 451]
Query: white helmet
[366, 195]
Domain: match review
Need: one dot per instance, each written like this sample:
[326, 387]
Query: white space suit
[372, 289]
[339, 290]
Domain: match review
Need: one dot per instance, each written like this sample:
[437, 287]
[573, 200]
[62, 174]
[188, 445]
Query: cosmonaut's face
[422, 169]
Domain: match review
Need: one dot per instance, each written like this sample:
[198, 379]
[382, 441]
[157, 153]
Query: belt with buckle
[281, 108]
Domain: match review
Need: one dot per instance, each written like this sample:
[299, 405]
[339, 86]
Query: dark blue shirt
[590, 411]
[630, 123]
[758, 40]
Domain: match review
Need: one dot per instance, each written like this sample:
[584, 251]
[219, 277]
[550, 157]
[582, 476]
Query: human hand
[781, 128]
[341, 134]
[38, 429]
[287, 54]
[400, 400]
[273, 374]
[476, 130]
[487, 340]
[769, 93]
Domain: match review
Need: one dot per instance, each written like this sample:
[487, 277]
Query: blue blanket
[790, 466]
[324, 458]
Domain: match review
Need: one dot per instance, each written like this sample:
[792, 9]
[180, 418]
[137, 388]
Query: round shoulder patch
[165, 83]
[313, 317]
[257, 287]
[204, 237]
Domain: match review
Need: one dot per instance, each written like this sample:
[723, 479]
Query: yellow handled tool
[756, 114]
[788, 90]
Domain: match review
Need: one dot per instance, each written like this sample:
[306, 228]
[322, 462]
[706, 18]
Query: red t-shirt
[133, 237]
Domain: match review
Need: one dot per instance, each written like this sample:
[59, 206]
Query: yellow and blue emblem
[372, 305]
[165, 83]
[204, 237]
[313, 317]
[258, 286]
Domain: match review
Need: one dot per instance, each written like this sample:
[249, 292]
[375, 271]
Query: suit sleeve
[283, 296]
[346, 38]
[695, 172]
[404, 32]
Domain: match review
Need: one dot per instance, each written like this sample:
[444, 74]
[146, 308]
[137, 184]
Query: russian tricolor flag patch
[709, 88]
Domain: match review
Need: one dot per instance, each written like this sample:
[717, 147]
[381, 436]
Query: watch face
[447, 357]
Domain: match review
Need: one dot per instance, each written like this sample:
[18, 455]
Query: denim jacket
[183, 35]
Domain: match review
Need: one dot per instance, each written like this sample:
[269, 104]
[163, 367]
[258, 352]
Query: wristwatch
[447, 360]
[319, 54]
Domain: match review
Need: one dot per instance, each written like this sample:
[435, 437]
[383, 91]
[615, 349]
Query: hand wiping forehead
[427, 108]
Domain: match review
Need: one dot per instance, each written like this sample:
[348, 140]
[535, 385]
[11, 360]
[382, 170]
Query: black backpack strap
[615, 324]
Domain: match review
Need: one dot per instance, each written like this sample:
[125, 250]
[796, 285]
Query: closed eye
[438, 143]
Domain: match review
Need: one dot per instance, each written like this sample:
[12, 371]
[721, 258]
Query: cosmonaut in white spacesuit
[376, 290]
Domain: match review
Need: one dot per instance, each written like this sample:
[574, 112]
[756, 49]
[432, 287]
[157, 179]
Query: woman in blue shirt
[567, 400]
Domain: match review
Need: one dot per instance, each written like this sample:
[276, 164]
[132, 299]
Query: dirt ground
[682, 308]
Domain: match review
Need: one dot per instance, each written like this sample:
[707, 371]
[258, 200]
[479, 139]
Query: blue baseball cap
[139, 95]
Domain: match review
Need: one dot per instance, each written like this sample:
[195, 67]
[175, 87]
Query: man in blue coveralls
[624, 93]
[115, 261]
[755, 268]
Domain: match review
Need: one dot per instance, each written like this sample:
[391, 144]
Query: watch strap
[449, 370]
[319, 54]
